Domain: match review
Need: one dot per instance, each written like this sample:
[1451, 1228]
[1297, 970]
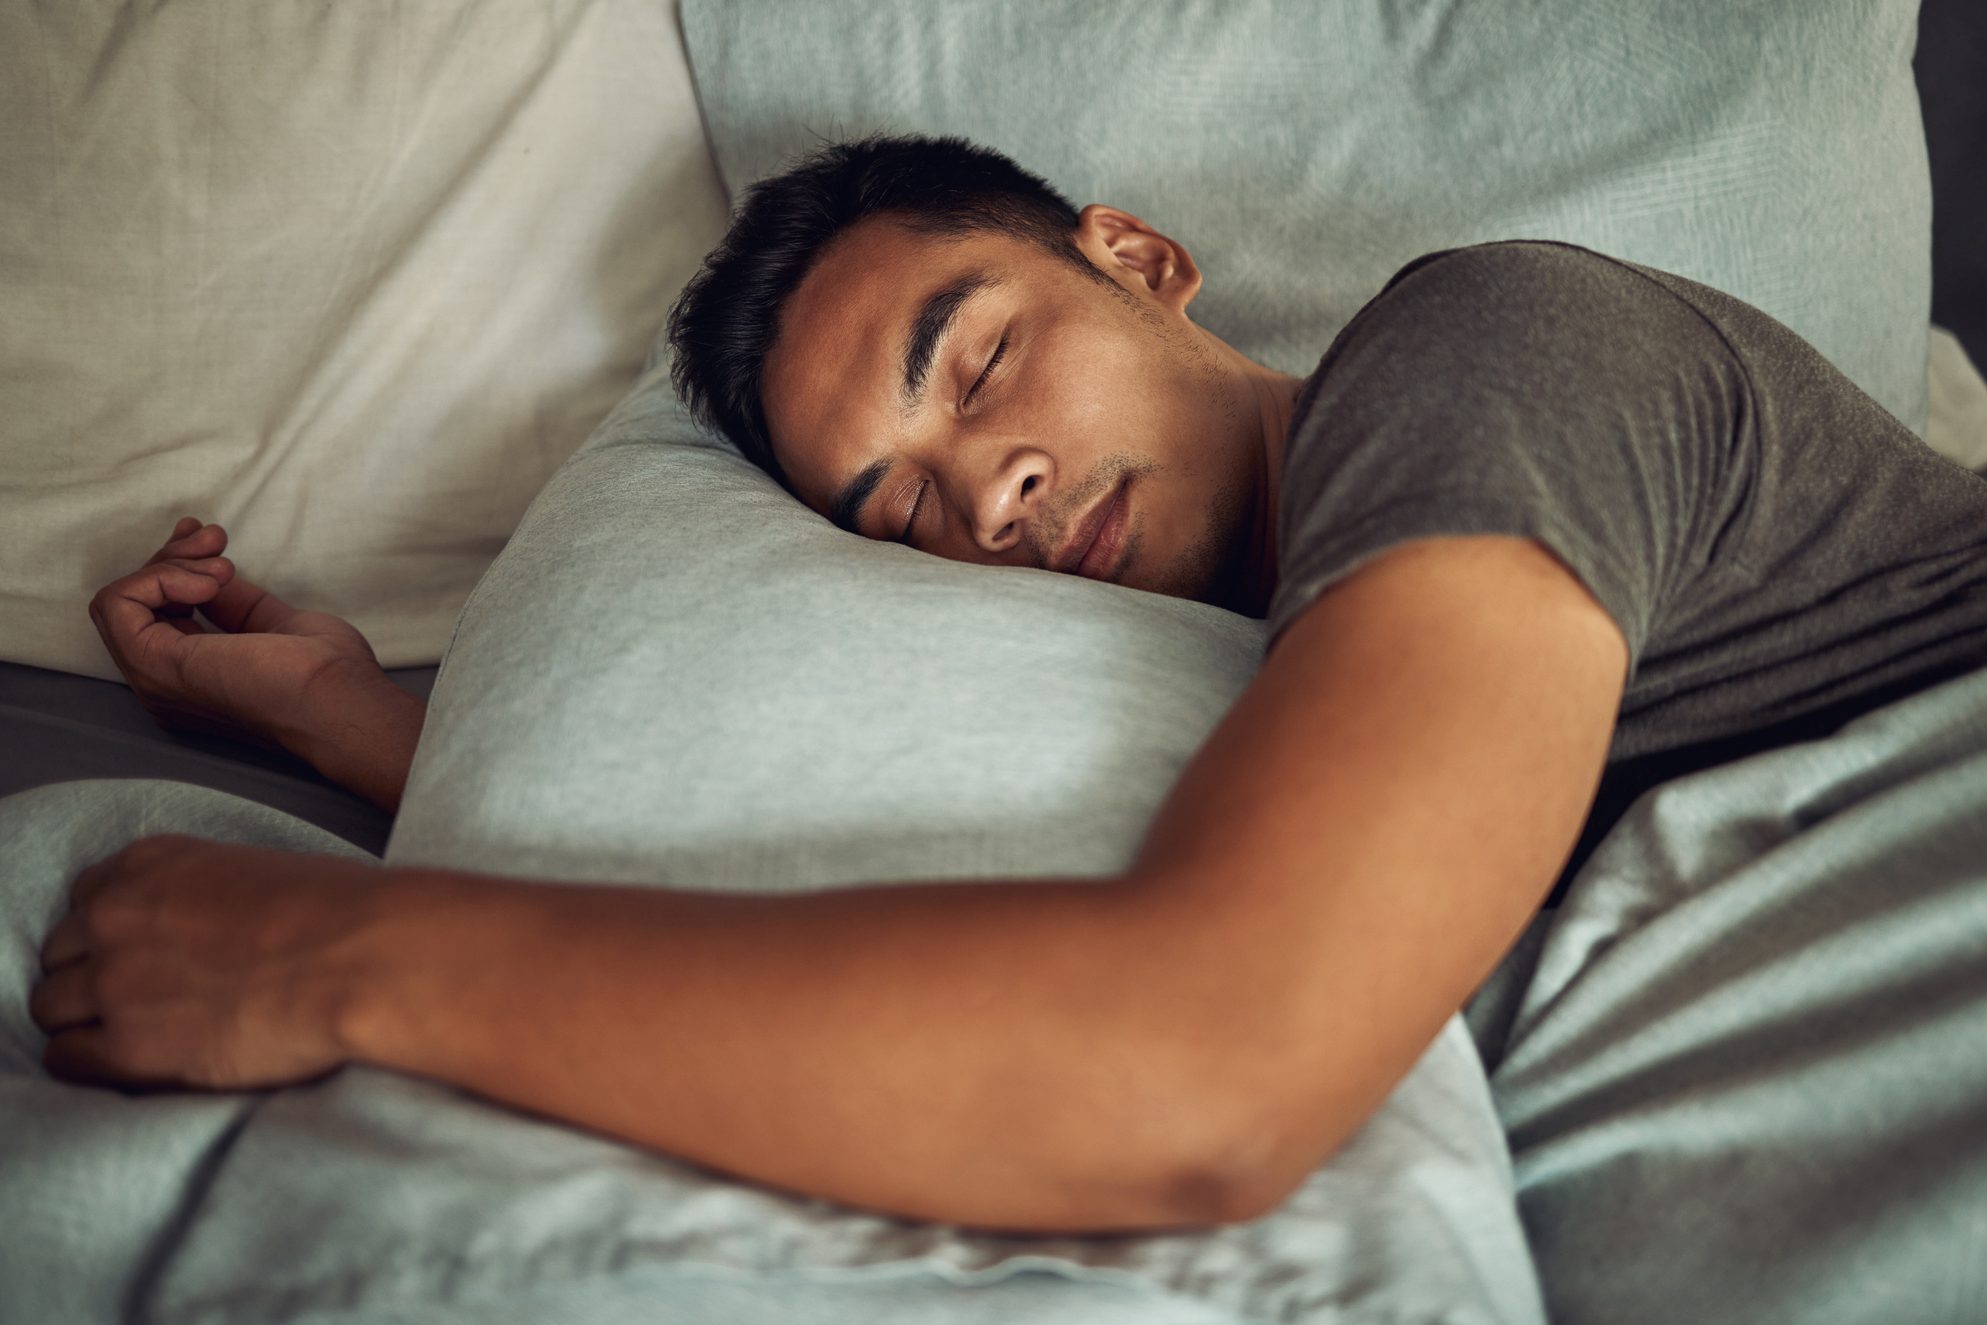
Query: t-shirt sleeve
[1522, 388]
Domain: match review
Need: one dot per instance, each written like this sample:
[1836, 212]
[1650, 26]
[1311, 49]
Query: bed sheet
[1744, 1080]
[56, 726]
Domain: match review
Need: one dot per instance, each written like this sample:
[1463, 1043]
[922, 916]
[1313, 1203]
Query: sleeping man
[1541, 529]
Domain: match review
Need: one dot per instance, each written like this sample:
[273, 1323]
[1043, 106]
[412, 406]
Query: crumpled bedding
[1739, 1071]
[1744, 1080]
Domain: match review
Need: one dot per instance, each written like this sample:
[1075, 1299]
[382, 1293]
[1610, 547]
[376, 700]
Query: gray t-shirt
[1780, 552]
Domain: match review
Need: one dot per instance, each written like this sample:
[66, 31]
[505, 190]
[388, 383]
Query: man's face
[879, 383]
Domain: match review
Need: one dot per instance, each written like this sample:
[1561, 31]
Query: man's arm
[1401, 784]
[359, 729]
[1340, 866]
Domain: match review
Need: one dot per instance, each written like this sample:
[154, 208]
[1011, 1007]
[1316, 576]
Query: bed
[338, 280]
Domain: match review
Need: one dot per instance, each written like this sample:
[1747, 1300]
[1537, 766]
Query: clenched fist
[186, 963]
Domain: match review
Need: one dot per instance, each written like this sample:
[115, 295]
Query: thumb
[126, 615]
[181, 599]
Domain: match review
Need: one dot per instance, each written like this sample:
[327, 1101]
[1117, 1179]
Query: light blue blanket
[1745, 1080]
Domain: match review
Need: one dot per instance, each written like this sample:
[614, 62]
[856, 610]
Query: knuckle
[104, 918]
[110, 980]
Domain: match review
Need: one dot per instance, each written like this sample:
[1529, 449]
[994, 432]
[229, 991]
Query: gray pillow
[676, 675]
[1303, 152]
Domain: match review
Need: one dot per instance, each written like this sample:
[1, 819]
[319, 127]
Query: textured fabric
[1303, 152]
[1778, 551]
[1744, 1078]
[677, 675]
[350, 279]
[706, 1295]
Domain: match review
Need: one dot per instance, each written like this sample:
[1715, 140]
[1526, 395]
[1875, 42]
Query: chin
[1213, 572]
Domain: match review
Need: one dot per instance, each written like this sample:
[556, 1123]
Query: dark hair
[727, 317]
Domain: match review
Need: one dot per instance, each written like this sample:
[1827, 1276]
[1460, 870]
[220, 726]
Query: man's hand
[252, 680]
[186, 963]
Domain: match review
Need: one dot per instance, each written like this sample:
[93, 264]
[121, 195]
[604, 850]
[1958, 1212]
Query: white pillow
[351, 280]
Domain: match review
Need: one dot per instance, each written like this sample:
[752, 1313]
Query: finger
[144, 582]
[68, 942]
[126, 609]
[86, 1055]
[205, 543]
[64, 998]
[201, 540]
[81, 1055]
[244, 605]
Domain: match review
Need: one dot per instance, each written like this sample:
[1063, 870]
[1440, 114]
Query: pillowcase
[675, 675]
[351, 280]
[1304, 153]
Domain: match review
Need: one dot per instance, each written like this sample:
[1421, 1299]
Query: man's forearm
[360, 732]
[1006, 1055]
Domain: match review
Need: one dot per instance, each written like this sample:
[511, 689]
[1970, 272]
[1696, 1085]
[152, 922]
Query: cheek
[1098, 394]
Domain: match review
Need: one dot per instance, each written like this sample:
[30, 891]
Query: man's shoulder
[1500, 258]
[1453, 307]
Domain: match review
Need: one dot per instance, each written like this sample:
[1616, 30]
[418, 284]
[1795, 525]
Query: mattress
[56, 727]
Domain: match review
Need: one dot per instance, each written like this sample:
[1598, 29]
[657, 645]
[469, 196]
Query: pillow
[1304, 153]
[675, 675]
[1958, 428]
[352, 280]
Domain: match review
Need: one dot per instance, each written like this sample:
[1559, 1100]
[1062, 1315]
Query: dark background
[1952, 86]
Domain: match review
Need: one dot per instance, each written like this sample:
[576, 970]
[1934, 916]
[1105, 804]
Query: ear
[1136, 255]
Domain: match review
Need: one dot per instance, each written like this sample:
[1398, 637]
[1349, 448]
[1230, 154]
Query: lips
[1088, 528]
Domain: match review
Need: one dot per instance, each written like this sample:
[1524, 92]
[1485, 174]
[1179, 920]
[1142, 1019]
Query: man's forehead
[834, 376]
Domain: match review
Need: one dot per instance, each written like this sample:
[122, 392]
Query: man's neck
[1273, 396]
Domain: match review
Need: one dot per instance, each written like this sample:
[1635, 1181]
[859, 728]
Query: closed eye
[912, 520]
[1000, 350]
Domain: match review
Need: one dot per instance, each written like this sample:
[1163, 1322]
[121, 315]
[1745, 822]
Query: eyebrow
[934, 319]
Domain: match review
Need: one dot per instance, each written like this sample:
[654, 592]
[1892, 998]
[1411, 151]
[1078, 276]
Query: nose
[1012, 497]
